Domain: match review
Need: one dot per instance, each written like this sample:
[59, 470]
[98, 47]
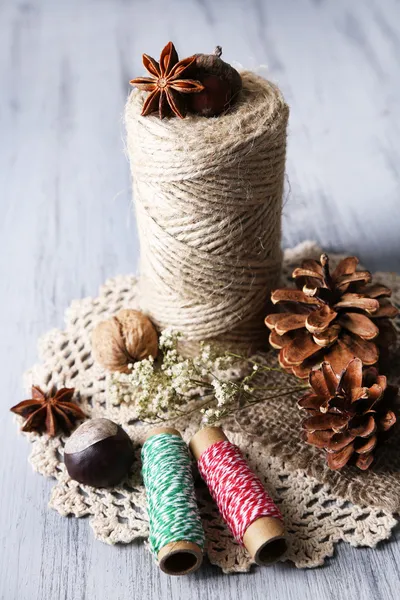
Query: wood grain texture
[66, 225]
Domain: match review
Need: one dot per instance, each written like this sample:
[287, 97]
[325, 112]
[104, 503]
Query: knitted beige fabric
[208, 197]
[320, 507]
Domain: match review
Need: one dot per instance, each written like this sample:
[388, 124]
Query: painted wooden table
[66, 225]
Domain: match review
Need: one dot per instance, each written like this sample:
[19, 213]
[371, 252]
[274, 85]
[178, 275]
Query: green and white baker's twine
[171, 502]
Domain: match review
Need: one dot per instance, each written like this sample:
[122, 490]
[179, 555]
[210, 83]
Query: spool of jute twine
[208, 197]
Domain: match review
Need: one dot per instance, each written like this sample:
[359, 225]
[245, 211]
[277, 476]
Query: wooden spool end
[264, 540]
[205, 438]
[180, 558]
[159, 430]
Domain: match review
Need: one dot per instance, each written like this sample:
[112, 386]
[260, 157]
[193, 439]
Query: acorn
[222, 84]
[99, 453]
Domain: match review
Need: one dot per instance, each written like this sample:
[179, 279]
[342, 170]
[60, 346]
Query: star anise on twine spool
[49, 412]
[348, 414]
[333, 317]
[167, 83]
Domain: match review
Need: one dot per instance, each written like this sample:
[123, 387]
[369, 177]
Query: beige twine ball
[123, 340]
[208, 197]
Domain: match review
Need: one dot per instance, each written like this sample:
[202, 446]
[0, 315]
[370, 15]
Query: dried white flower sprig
[173, 385]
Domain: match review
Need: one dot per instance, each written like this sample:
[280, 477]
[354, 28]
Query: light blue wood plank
[66, 225]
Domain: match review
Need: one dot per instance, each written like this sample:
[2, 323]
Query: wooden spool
[180, 557]
[264, 538]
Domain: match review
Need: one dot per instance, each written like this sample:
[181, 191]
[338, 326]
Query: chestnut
[222, 85]
[99, 453]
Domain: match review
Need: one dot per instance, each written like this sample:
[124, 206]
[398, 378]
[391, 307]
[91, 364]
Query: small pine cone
[331, 317]
[349, 414]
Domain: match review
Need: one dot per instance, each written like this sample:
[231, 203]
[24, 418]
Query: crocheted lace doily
[319, 508]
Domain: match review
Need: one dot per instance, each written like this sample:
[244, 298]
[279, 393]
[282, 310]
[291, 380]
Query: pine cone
[349, 414]
[332, 317]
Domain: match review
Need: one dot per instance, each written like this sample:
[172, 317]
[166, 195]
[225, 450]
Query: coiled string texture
[171, 501]
[237, 491]
[208, 197]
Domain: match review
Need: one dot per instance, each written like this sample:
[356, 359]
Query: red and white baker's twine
[238, 493]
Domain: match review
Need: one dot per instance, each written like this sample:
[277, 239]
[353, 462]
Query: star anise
[49, 412]
[167, 83]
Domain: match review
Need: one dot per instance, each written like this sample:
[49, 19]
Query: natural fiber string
[237, 491]
[171, 501]
[208, 196]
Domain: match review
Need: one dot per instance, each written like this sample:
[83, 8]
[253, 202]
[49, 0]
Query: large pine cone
[333, 317]
[349, 414]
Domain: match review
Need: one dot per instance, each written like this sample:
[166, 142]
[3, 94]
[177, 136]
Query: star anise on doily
[49, 412]
[167, 83]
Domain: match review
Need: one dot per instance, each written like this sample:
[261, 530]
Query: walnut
[124, 339]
